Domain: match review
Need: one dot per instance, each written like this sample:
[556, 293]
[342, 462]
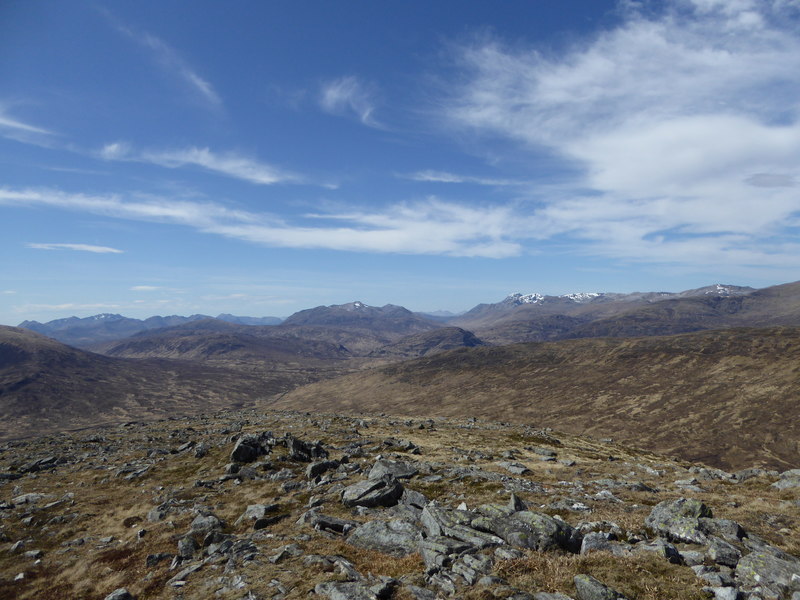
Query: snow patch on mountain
[518, 299]
[581, 297]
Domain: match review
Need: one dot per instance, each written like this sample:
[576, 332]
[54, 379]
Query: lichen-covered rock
[396, 537]
[253, 512]
[722, 553]
[248, 448]
[778, 576]
[678, 520]
[321, 466]
[439, 521]
[398, 469]
[589, 588]
[597, 541]
[440, 551]
[187, 546]
[471, 567]
[665, 550]
[364, 589]
[728, 530]
[304, 451]
[204, 524]
[788, 479]
[328, 523]
[528, 529]
[385, 491]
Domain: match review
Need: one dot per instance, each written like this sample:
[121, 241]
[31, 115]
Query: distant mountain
[83, 333]
[536, 317]
[249, 320]
[219, 341]
[727, 398]
[47, 386]
[89, 331]
[388, 319]
[772, 306]
[357, 326]
[428, 343]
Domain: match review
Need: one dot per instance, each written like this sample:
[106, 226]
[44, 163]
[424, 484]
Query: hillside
[428, 343]
[46, 386]
[237, 346]
[728, 398]
[243, 505]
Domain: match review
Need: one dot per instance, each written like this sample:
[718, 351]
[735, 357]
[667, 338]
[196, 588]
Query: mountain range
[517, 318]
[106, 327]
[707, 374]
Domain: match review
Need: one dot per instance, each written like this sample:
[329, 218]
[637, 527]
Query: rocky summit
[273, 505]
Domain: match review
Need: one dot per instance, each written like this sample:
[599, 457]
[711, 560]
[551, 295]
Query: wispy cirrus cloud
[445, 177]
[683, 121]
[229, 164]
[145, 288]
[431, 226]
[79, 247]
[171, 62]
[347, 96]
[9, 123]
[14, 128]
[67, 306]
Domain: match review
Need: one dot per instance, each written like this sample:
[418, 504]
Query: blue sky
[259, 158]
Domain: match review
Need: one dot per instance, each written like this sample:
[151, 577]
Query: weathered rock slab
[396, 537]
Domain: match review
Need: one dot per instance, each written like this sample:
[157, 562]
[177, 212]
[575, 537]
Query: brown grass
[639, 578]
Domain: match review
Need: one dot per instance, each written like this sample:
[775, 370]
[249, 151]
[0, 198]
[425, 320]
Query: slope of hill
[173, 509]
[428, 343]
[47, 386]
[215, 340]
[727, 398]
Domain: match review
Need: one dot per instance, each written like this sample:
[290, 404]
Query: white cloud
[685, 124]
[170, 61]
[229, 164]
[144, 288]
[10, 123]
[15, 129]
[426, 227]
[78, 247]
[8, 292]
[68, 306]
[348, 95]
[116, 151]
[445, 177]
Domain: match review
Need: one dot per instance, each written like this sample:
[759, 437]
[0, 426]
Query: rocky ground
[293, 505]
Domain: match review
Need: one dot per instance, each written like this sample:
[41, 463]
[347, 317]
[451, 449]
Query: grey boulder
[528, 529]
[678, 520]
[589, 588]
[396, 537]
[778, 575]
[398, 469]
[119, 594]
[788, 479]
[385, 491]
